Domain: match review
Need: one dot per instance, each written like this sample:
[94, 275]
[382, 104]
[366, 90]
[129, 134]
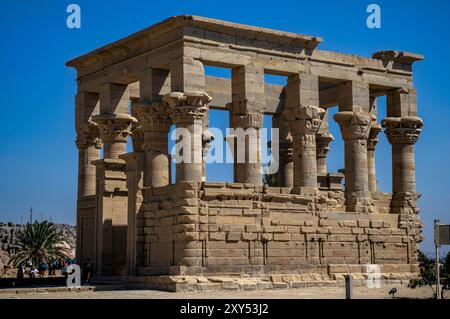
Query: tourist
[42, 267]
[64, 268]
[33, 272]
[50, 267]
[20, 272]
[87, 271]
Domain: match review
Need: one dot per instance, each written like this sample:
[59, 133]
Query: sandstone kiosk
[132, 221]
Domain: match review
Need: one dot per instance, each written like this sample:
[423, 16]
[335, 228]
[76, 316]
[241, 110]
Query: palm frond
[38, 241]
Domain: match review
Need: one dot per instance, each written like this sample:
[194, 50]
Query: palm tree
[38, 241]
[270, 179]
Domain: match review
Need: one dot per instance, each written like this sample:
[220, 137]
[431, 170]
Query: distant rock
[8, 238]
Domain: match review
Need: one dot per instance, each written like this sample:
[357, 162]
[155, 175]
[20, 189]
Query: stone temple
[314, 226]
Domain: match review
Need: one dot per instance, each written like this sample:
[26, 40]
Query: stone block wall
[242, 229]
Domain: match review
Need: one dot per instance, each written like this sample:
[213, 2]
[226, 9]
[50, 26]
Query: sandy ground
[300, 293]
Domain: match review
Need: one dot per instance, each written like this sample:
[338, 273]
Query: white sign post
[441, 237]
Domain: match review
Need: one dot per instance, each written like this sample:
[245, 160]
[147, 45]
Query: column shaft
[371, 144]
[86, 171]
[247, 155]
[285, 161]
[371, 170]
[356, 174]
[403, 179]
[156, 158]
[286, 164]
[355, 132]
[323, 141]
[305, 166]
[191, 167]
[112, 149]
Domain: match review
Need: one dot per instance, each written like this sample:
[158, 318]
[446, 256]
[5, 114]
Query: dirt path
[301, 293]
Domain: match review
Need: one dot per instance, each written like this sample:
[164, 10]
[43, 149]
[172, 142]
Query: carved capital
[353, 125]
[373, 136]
[114, 127]
[154, 117]
[88, 135]
[405, 130]
[137, 137]
[304, 120]
[286, 151]
[187, 106]
[323, 141]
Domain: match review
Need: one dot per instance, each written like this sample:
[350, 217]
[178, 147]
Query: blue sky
[38, 156]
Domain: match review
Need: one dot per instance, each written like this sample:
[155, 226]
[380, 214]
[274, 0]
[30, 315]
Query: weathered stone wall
[233, 228]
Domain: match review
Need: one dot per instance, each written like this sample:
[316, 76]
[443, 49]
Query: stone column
[246, 117]
[285, 161]
[247, 148]
[371, 143]
[355, 128]
[134, 166]
[304, 117]
[89, 146]
[403, 133]
[187, 111]
[286, 165]
[304, 121]
[323, 141]
[137, 136]
[155, 123]
[114, 131]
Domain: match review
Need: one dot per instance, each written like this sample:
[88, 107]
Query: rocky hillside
[8, 238]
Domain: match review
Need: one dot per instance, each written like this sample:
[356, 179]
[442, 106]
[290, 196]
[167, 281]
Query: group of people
[44, 266]
[52, 265]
